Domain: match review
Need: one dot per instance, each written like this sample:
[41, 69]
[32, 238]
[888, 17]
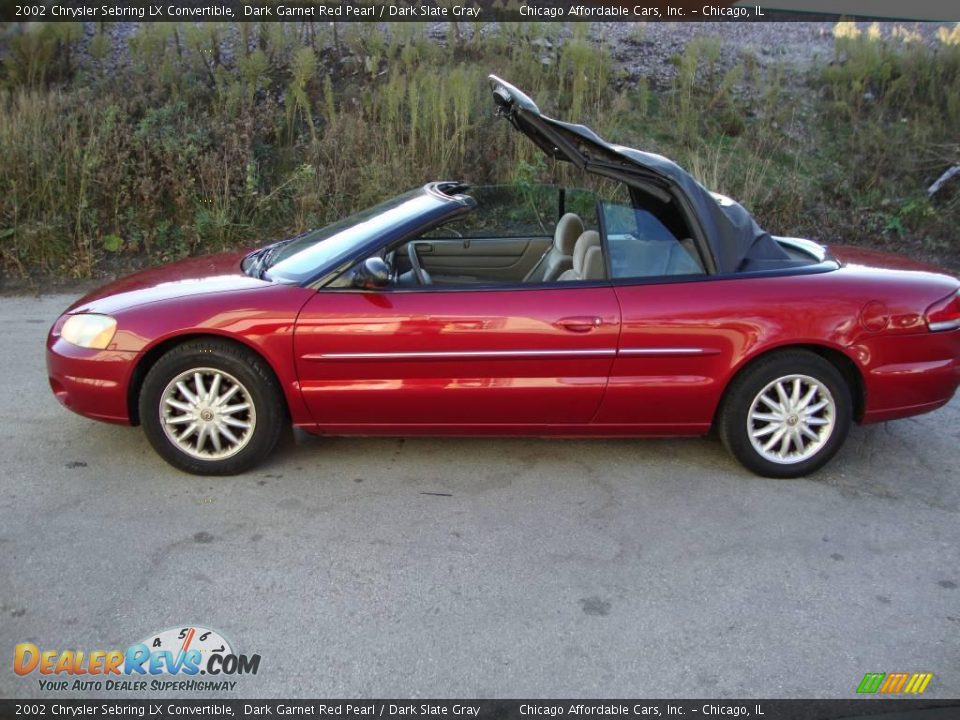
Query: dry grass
[198, 144]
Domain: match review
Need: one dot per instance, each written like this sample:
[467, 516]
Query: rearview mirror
[371, 273]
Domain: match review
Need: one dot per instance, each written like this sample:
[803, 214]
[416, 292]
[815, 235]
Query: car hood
[731, 231]
[194, 276]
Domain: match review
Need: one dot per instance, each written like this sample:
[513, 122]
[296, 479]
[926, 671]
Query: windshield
[301, 259]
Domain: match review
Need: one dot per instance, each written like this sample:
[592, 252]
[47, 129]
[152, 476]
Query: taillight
[944, 315]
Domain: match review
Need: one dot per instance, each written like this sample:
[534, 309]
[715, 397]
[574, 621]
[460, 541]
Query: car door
[374, 360]
[676, 350]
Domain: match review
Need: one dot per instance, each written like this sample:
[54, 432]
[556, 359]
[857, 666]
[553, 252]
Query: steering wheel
[422, 276]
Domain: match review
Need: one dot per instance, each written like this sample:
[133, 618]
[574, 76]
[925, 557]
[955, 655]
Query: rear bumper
[92, 383]
[911, 375]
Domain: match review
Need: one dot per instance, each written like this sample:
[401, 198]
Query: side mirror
[371, 273]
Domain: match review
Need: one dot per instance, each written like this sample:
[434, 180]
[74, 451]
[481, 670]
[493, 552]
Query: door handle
[424, 247]
[580, 324]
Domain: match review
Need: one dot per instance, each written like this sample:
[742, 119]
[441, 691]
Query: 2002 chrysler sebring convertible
[655, 309]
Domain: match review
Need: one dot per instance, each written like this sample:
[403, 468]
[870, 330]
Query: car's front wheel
[211, 407]
[786, 415]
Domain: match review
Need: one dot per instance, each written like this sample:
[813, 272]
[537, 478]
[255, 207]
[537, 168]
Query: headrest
[589, 239]
[593, 268]
[568, 230]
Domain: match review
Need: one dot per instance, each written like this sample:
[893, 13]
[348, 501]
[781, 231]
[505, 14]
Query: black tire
[258, 389]
[736, 424]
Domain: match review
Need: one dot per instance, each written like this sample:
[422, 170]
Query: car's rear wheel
[211, 407]
[786, 415]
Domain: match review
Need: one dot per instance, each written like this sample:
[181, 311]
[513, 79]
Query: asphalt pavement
[480, 567]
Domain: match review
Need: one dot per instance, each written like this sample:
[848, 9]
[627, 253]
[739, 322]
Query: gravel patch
[640, 50]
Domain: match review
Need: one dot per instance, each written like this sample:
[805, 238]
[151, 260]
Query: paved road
[490, 568]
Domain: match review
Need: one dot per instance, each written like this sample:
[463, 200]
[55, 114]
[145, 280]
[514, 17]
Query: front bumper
[92, 383]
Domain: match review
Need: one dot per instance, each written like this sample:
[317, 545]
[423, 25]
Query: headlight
[89, 331]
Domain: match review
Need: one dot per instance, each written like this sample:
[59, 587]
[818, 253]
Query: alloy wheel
[791, 419]
[207, 413]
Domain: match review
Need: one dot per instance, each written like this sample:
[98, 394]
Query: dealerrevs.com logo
[182, 653]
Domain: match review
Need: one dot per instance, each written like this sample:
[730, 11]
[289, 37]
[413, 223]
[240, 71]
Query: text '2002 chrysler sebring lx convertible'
[653, 308]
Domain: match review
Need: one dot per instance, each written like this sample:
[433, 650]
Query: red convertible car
[650, 308]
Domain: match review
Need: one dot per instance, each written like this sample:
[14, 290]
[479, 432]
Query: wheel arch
[154, 352]
[844, 364]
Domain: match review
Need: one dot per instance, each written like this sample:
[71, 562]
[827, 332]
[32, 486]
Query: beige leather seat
[587, 259]
[559, 257]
